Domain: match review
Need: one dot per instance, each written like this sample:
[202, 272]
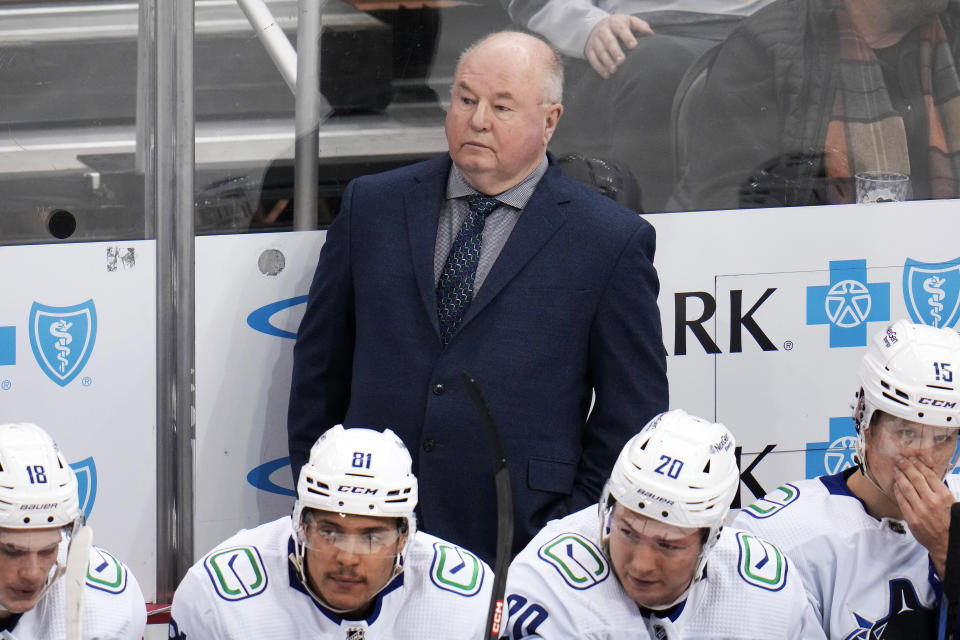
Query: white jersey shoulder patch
[761, 563]
[578, 560]
[780, 498]
[237, 573]
[105, 572]
[455, 569]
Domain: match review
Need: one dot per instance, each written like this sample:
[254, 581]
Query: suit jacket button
[438, 389]
[428, 445]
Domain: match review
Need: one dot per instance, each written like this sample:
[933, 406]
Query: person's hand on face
[924, 501]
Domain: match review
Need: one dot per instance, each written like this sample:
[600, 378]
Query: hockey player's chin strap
[299, 561]
[865, 470]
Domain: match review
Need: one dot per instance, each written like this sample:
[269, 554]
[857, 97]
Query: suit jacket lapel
[422, 206]
[538, 222]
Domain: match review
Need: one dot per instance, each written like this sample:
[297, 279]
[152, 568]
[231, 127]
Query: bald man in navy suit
[492, 261]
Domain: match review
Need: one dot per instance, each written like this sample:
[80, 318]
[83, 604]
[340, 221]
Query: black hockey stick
[504, 509]
[951, 581]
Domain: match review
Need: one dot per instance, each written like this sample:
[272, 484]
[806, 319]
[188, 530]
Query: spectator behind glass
[807, 93]
[624, 61]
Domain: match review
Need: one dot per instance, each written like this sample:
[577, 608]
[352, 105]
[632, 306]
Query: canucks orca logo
[86, 471]
[62, 338]
[931, 292]
[906, 619]
[456, 570]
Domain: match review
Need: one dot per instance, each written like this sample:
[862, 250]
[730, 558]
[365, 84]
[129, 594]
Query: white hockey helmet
[356, 472]
[680, 470]
[910, 371]
[359, 472]
[38, 489]
[37, 486]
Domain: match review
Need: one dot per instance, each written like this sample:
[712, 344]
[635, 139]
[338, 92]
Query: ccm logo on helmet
[938, 403]
[346, 488]
[37, 507]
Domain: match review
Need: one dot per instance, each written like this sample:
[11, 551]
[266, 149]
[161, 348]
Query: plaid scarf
[867, 134]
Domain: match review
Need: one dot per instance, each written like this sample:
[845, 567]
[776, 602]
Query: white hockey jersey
[247, 588]
[562, 586]
[869, 578]
[113, 606]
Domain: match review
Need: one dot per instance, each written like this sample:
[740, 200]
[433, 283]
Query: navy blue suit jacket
[568, 309]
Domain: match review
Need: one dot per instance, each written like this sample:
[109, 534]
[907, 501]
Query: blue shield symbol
[62, 338]
[86, 471]
[931, 291]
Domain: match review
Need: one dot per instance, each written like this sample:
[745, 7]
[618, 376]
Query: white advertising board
[251, 293]
[765, 313]
[78, 358]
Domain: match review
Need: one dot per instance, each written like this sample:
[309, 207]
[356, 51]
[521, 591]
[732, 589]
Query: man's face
[26, 558]
[890, 437]
[350, 558]
[497, 126]
[654, 562]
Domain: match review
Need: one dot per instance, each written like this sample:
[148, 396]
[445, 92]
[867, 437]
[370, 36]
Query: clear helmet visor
[37, 556]
[936, 446]
[325, 535]
[634, 530]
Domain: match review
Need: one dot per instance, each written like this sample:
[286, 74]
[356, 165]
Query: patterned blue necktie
[455, 287]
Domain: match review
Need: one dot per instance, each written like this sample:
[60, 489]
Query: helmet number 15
[942, 371]
[36, 474]
[669, 467]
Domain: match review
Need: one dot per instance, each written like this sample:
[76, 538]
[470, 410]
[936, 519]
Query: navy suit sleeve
[323, 353]
[628, 364]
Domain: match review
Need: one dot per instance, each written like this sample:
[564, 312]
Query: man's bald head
[529, 49]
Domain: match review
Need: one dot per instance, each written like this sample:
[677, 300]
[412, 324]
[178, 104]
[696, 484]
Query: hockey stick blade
[78, 557]
[501, 477]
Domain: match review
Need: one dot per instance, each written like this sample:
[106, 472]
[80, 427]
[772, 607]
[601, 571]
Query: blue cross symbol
[848, 303]
[8, 345]
[836, 454]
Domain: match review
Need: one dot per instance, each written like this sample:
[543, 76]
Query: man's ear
[552, 116]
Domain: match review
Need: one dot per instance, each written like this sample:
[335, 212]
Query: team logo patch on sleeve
[105, 572]
[761, 564]
[455, 569]
[236, 573]
[777, 499]
[578, 561]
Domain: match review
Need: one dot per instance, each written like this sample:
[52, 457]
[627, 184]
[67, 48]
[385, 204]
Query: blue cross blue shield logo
[62, 338]
[931, 291]
[86, 472]
[836, 454]
[848, 303]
